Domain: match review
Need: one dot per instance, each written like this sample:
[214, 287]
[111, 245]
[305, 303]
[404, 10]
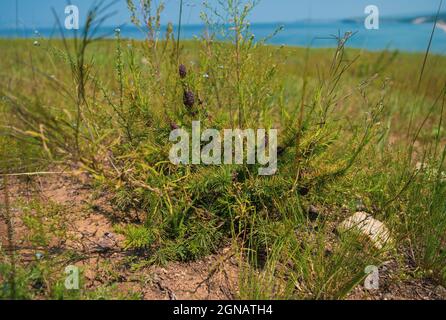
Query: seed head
[173, 126]
[182, 70]
[188, 99]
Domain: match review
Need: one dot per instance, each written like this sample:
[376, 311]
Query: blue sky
[37, 14]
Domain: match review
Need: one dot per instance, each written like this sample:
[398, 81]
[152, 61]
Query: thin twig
[28, 174]
[8, 220]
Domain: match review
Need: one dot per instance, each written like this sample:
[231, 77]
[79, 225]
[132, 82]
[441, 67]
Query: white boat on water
[441, 25]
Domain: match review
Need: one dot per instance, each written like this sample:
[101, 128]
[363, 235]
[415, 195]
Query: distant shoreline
[407, 36]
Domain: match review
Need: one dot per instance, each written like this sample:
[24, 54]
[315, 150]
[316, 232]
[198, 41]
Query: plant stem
[179, 31]
[8, 220]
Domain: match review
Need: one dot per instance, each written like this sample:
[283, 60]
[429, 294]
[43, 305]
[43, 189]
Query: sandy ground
[90, 233]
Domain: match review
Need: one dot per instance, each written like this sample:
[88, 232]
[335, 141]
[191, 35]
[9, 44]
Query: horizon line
[12, 25]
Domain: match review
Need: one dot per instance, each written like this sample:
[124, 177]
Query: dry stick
[42, 173]
[440, 124]
[8, 220]
[212, 271]
[178, 40]
[422, 73]
[238, 73]
[429, 45]
[300, 121]
[179, 32]
[17, 29]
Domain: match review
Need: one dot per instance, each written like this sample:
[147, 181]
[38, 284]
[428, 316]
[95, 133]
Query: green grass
[352, 127]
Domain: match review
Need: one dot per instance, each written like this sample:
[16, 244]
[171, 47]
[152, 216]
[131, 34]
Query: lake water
[391, 35]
